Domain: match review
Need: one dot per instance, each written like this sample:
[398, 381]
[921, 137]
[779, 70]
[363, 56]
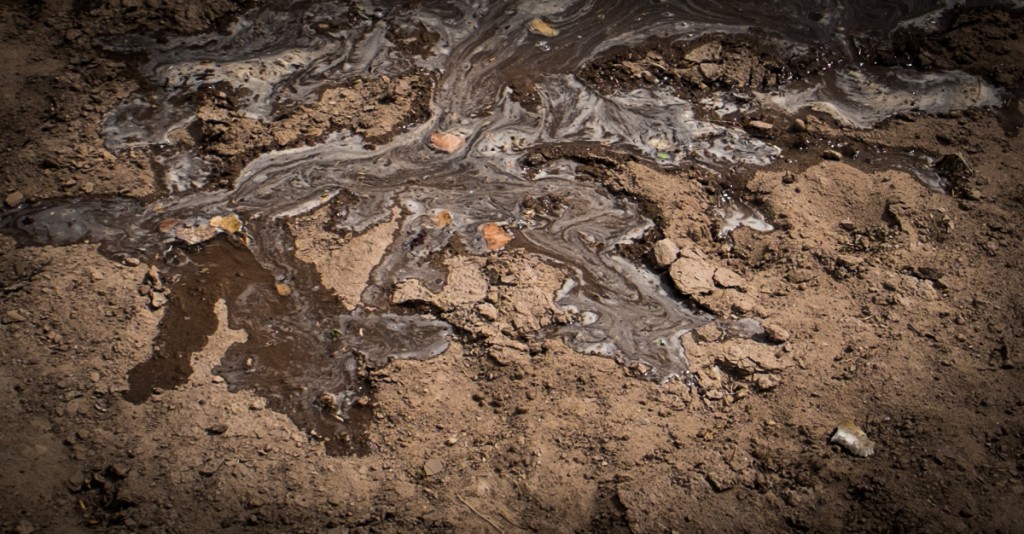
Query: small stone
[283, 289]
[131, 262]
[14, 199]
[217, 429]
[442, 219]
[120, 470]
[850, 437]
[495, 236]
[75, 481]
[217, 379]
[710, 71]
[433, 467]
[833, 155]
[539, 27]
[231, 223]
[446, 142]
[692, 275]
[760, 127]
[665, 252]
[94, 376]
[972, 194]
[799, 126]
[847, 225]
[451, 441]
[775, 333]
[157, 300]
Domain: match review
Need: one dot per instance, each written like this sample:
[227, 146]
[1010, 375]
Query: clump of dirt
[375, 109]
[698, 67]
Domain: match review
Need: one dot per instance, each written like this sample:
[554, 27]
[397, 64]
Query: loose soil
[883, 303]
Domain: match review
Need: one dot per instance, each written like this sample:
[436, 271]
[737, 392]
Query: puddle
[304, 354]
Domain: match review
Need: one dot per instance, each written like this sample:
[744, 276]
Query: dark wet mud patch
[306, 359]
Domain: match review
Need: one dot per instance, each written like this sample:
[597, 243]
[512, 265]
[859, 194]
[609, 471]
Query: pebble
[540, 27]
[433, 467]
[446, 142]
[775, 332]
[451, 441]
[833, 155]
[14, 199]
[850, 437]
[799, 126]
[760, 126]
[157, 300]
[120, 470]
[495, 236]
[217, 429]
[665, 252]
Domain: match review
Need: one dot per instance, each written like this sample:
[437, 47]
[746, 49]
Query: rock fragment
[692, 274]
[157, 300]
[495, 236]
[446, 142]
[433, 467]
[852, 438]
[760, 128]
[665, 252]
[14, 199]
[539, 27]
[833, 155]
[775, 333]
[217, 429]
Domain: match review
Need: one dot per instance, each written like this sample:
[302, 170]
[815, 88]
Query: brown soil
[883, 303]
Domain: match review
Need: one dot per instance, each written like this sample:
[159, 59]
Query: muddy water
[304, 355]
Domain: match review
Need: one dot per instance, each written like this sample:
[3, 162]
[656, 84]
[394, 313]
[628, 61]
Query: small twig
[482, 516]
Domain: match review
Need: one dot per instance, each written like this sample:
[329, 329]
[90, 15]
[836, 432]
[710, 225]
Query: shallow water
[284, 53]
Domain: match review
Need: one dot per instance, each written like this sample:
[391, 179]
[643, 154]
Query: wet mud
[294, 105]
[350, 198]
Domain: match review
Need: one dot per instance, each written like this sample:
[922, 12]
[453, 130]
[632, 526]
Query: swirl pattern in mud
[506, 91]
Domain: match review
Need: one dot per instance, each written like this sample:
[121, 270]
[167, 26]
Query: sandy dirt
[883, 303]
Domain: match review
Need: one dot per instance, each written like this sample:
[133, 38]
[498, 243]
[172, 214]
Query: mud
[681, 245]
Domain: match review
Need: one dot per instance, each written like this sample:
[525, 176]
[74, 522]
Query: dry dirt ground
[885, 304]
